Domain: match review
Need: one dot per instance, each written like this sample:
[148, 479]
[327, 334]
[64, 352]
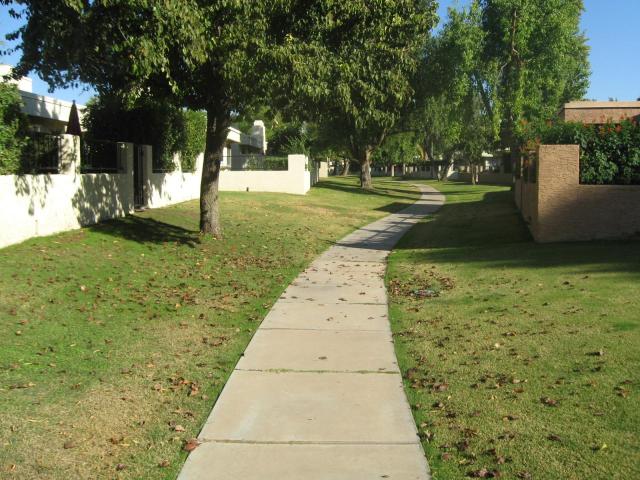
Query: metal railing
[250, 140]
[100, 156]
[42, 153]
[257, 162]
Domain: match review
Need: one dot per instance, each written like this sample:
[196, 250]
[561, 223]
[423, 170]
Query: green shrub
[167, 128]
[13, 130]
[195, 128]
[609, 153]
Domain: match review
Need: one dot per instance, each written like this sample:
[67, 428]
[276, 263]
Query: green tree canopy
[205, 55]
[356, 63]
[538, 59]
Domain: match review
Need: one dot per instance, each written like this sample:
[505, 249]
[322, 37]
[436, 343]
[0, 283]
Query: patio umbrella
[73, 126]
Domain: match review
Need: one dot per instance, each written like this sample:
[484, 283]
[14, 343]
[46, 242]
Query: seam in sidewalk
[304, 442]
[294, 329]
[302, 300]
[291, 370]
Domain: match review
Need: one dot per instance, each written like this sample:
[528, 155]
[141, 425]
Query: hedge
[609, 153]
[195, 128]
[13, 130]
[169, 129]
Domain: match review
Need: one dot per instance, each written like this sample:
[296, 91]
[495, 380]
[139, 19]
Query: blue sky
[611, 27]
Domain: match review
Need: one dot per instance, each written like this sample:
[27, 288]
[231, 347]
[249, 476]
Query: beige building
[46, 114]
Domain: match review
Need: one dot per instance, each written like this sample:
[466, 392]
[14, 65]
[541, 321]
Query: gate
[138, 176]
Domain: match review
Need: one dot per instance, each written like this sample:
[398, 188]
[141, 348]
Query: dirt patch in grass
[527, 368]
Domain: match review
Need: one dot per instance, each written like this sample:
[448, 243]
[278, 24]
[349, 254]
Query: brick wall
[599, 112]
[558, 208]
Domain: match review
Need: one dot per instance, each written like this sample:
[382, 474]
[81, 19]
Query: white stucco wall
[37, 205]
[168, 188]
[297, 183]
[173, 187]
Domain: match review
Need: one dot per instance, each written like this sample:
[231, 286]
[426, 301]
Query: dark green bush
[13, 130]
[609, 153]
[168, 129]
[195, 126]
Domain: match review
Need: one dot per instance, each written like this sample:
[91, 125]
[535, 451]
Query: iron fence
[258, 162]
[100, 156]
[41, 153]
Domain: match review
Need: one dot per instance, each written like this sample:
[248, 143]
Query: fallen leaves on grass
[191, 445]
[549, 402]
[483, 473]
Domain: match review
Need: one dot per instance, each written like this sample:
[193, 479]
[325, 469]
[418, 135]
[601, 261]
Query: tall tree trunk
[345, 167]
[216, 136]
[473, 173]
[365, 170]
[445, 167]
[430, 157]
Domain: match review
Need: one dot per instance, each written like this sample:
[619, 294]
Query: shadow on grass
[491, 232]
[147, 230]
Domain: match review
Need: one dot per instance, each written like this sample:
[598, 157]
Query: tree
[13, 130]
[495, 66]
[449, 117]
[365, 56]
[396, 149]
[204, 55]
[537, 58]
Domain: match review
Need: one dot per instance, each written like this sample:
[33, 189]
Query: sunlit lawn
[526, 364]
[115, 340]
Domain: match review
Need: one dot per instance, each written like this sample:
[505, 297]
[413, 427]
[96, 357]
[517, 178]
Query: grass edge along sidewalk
[116, 339]
[519, 359]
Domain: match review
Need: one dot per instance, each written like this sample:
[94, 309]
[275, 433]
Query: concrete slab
[320, 350]
[339, 267]
[311, 407]
[335, 294]
[327, 317]
[232, 461]
[343, 277]
[350, 254]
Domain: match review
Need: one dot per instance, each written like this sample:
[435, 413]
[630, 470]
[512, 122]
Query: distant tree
[450, 117]
[537, 58]
[397, 149]
[495, 66]
[355, 71]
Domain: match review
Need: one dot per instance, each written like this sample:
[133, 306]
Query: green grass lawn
[526, 362]
[115, 340]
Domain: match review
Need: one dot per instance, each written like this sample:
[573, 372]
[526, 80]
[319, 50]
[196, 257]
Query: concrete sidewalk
[318, 394]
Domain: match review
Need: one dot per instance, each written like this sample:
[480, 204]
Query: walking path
[318, 394]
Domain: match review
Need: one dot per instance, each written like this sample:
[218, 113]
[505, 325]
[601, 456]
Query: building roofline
[588, 105]
[45, 99]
